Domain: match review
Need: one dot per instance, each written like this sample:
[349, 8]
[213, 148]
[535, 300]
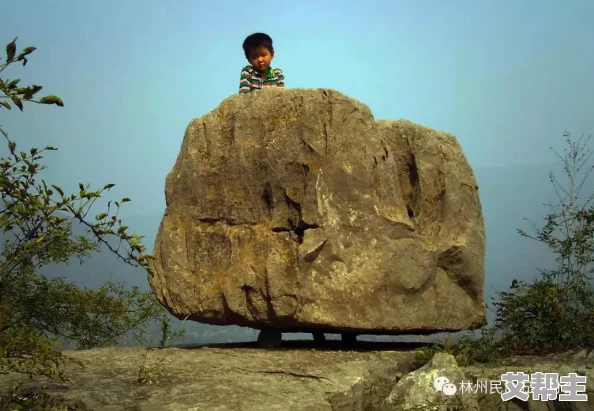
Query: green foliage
[467, 350]
[166, 333]
[546, 317]
[13, 93]
[483, 349]
[35, 217]
[556, 312]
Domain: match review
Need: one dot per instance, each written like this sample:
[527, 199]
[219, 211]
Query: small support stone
[348, 339]
[269, 338]
[319, 337]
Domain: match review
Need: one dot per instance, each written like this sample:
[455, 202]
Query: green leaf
[82, 188]
[11, 50]
[125, 200]
[26, 51]
[13, 83]
[108, 186]
[58, 189]
[17, 102]
[5, 104]
[101, 216]
[52, 100]
[31, 91]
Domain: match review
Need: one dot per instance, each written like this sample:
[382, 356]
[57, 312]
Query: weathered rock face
[225, 379]
[295, 209]
[297, 377]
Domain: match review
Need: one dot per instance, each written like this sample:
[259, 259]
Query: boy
[259, 52]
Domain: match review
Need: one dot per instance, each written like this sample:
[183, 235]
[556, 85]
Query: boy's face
[260, 58]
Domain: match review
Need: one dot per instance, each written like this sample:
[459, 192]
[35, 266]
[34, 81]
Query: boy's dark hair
[257, 40]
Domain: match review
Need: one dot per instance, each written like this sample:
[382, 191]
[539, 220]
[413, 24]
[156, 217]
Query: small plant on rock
[152, 374]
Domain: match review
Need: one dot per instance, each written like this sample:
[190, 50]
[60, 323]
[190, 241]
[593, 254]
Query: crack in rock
[294, 374]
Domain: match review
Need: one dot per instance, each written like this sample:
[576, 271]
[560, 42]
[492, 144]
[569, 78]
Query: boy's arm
[281, 78]
[244, 82]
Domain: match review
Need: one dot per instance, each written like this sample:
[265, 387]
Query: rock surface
[297, 210]
[293, 378]
[417, 389]
[230, 379]
[475, 389]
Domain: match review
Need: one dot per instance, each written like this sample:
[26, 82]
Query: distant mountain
[508, 196]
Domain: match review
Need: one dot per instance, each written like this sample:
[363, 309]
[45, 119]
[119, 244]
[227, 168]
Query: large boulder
[296, 210]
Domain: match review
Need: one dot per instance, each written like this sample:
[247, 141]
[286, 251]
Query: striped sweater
[250, 79]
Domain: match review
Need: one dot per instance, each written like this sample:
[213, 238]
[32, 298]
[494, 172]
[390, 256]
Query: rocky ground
[295, 377]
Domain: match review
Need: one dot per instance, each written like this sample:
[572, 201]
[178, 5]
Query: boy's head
[259, 51]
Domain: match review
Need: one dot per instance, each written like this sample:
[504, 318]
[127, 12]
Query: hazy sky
[506, 77]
